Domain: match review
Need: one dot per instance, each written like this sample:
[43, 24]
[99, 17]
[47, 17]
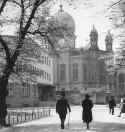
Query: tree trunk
[3, 93]
[3, 110]
[3, 85]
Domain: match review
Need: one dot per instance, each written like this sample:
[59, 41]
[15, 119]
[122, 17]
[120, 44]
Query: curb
[8, 129]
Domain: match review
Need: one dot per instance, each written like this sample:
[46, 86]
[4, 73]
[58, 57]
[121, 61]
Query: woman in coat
[122, 106]
[87, 105]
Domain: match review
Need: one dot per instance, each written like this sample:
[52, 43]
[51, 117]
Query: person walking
[87, 105]
[61, 108]
[122, 106]
[112, 104]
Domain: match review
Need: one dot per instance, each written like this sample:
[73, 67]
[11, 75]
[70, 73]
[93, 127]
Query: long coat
[122, 107]
[112, 103]
[61, 107]
[87, 110]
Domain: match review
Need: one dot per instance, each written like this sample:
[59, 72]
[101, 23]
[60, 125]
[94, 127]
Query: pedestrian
[87, 105]
[122, 106]
[61, 108]
[112, 104]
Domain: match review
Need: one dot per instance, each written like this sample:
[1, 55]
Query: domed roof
[65, 19]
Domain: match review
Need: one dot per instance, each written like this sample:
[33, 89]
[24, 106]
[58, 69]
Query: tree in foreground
[28, 26]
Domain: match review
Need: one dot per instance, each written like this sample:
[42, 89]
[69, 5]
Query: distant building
[32, 80]
[115, 66]
[77, 70]
[119, 75]
[109, 58]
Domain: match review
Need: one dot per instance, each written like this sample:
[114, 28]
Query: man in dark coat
[61, 108]
[112, 104]
[87, 105]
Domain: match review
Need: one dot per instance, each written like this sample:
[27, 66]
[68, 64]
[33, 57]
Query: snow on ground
[102, 122]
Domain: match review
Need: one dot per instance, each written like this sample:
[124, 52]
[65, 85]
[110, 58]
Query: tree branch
[22, 15]
[41, 2]
[17, 3]
[29, 5]
[7, 51]
[23, 30]
[35, 7]
[43, 34]
[3, 5]
[118, 2]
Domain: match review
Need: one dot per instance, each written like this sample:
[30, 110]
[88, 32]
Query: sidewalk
[102, 122]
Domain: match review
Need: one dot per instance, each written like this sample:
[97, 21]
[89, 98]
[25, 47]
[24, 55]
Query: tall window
[11, 89]
[42, 59]
[26, 89]
[121, 81]
[62, 72]
[75, 72]
[90, 75]
[19, 66]
[93, 77]
[34, 90]
[49, 62]
[45, 60]
[42, 74]
[58, 77]
[84, 72]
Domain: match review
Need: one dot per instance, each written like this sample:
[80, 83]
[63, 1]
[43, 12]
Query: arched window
[75, 72]
[11, 89]
[34, 90]
[26, 89]
[62, 72]
[85, 72]
[45, 59]
[121, 81]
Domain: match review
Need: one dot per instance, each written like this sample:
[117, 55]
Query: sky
[85, 14]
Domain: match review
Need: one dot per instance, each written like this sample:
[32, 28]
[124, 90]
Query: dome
[65, 19]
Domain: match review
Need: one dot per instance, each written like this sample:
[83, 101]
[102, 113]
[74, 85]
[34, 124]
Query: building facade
[77, 70]
[119, 76]
[33, 74]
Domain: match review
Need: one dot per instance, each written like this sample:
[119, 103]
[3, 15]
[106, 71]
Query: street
[102, 122]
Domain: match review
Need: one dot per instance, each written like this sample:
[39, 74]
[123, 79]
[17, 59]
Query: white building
[77, 70]
[33, 74]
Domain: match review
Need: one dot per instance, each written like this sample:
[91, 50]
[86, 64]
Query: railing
[17, 116]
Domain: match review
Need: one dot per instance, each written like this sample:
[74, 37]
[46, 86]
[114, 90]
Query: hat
[87, 96]
[63, 93]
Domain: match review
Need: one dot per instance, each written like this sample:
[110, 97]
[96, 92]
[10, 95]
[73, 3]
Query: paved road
[102, 122]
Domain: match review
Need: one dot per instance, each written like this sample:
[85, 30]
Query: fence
[16, 116]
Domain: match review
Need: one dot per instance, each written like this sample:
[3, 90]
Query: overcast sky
[86, 13]
[90, 12]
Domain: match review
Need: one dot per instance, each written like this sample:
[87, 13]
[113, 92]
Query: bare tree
[27, 25]
[24, 25]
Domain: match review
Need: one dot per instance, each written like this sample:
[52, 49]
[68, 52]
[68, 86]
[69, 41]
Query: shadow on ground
[74, 127]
